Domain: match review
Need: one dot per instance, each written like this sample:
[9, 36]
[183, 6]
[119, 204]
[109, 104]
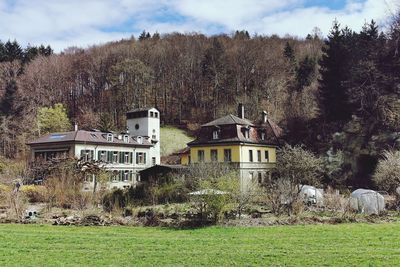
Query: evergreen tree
[8, 101]
[305, 73]
[288, 52]
[3, 52]
[13, 51]
[144, 36]
[333, 99]
[30, 53]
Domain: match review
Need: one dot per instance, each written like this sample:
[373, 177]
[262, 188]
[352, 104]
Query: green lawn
[321, 245]
[172, 139]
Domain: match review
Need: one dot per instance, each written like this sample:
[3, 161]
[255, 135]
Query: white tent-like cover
[207, 192]
[367, 201]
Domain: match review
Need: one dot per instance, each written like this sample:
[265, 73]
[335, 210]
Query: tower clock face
[137, 126]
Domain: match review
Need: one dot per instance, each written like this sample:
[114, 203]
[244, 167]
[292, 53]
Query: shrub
[114, 200]
[387, 173]
[34, 193]
[4, 194]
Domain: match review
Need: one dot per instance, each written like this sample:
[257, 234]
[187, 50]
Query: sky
[83, 23]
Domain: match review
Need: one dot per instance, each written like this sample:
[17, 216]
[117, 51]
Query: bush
[174, 192]
[114, 201]
[34, 193]
[4, 194]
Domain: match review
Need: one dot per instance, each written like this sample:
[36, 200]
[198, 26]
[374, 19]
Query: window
[215, 134]
[259, 155]
[109, 156]
[110, 137]
[88, 178]
[140, 158]
[102, 156]
[262, 136]
[251, 176]
[246, 133]
[127, 157]
[126, 138]
[214, 155]
[200, 155]
[115, 157]
[260, 180]
[266, 155]
[126, 176]
[251, 155]
[151, 114]
[156, 114]
[87, 155]
[227, 155]
[137, 126]
[153, 161]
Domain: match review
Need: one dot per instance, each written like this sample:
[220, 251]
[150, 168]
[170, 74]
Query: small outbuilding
[367, 201]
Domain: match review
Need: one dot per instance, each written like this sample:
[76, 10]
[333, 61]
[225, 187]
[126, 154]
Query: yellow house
[251, 147]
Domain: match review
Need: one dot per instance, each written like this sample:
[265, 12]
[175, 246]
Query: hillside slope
[173, 139]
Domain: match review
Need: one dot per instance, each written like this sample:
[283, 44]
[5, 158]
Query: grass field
[317, 245]
[172, 139]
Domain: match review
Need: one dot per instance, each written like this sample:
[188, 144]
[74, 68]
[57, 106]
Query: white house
[125, 154]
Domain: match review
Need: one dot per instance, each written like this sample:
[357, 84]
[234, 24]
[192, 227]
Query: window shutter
[121, 157]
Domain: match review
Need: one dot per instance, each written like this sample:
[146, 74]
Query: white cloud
[86, 22]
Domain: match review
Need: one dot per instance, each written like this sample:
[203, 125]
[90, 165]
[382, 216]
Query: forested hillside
[339, 96]
[191, 78]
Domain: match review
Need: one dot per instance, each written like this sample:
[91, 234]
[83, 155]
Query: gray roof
[141, 109]
[82, 136]
[228, 119]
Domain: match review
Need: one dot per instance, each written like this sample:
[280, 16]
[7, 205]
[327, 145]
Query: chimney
[264, 116]
[75, 127]
[241, 111]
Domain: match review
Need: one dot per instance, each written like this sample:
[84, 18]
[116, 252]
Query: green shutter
[109, 156]
[121, 157]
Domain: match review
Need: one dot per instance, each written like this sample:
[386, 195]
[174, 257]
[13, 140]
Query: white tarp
[367, 201]
[207, 192]
[312, 195]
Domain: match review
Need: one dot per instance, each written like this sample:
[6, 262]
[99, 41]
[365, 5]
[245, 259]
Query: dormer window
[126, 138]
[216, 134]
[246, 133]
[262, 135]
[110, 137]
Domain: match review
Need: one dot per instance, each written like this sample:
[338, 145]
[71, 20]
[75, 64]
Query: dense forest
[338, 96]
